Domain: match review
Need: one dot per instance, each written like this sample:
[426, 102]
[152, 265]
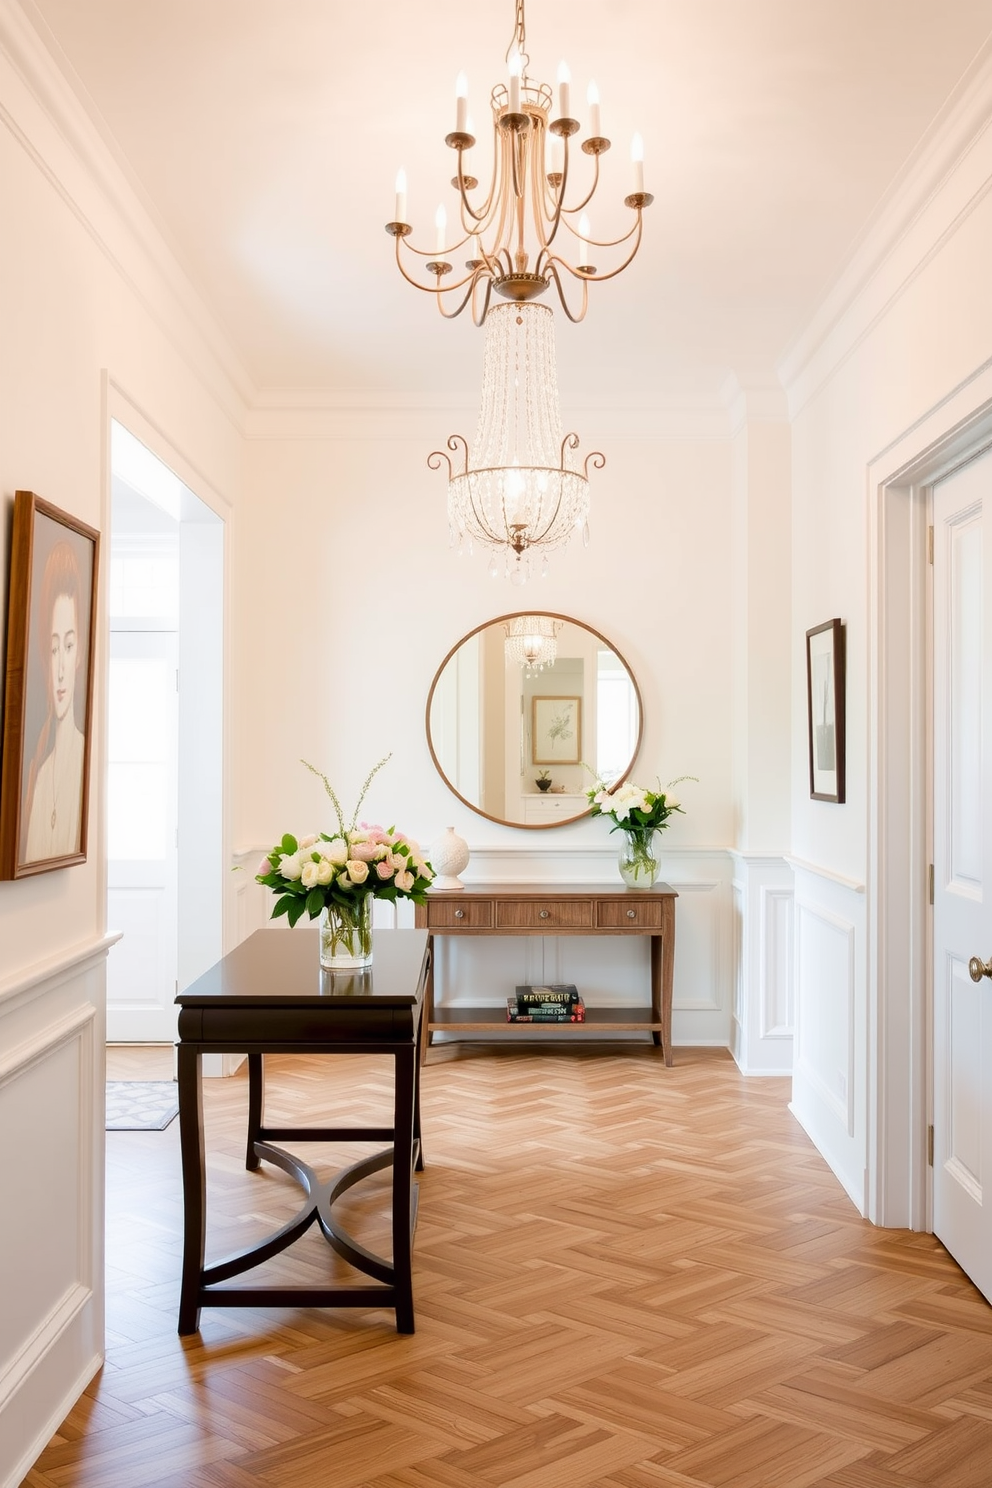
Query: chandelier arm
[606, 242]
[453, 314]
[638, 228]
[553, 262]
[482, 215]
[581, 206]
[437, 289]
[556, 197]
[488, 296]
[594, 458]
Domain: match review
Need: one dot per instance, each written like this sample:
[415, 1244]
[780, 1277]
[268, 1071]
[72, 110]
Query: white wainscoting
[763, 1017]
[829, 1097]
[52, 1022]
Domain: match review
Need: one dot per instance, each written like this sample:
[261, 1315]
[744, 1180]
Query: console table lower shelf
[551, 909]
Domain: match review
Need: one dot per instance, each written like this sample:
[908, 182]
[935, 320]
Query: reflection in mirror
[526, 711]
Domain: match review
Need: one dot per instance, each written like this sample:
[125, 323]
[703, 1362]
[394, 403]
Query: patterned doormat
[141, 1105]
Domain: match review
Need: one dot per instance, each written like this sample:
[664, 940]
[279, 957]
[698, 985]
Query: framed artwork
[48, 698]
[556, 730]
[825, 704]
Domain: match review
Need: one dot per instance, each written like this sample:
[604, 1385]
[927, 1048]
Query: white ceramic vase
[448, 857]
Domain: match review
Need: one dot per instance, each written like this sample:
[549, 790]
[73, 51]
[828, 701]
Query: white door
[142, 801]
[962, 919]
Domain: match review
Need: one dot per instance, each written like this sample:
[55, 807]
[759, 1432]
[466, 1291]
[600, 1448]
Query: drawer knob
[459, 914]
[632, 914]
[544, 914]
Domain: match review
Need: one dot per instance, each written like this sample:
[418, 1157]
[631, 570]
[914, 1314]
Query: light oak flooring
[625, 1276]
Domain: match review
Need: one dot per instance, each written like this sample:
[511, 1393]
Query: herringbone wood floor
[625, 1276]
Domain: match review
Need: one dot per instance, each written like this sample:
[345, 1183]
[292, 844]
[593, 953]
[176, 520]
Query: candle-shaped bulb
[516, 67]
[461, 103]
[564, 96]
[637, 159]
[400, 196]
[592, 98]
[585, 233]
[441, 223]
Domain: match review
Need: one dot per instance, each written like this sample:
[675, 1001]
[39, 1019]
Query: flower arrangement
[638, 813]
[342, 873]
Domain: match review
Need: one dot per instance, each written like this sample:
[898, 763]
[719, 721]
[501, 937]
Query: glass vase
[638, 857]
[345, 936]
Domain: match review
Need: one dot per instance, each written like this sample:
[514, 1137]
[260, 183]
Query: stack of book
[559, 1003]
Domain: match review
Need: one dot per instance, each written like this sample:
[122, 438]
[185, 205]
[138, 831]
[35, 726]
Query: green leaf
[282, 906]
[296, 910]
[315, 902]
[289, 844]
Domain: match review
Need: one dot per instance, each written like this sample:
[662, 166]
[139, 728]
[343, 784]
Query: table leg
[667, 968]
[417, 1133]
[427, 1014]
[256, 1105]
[194, 1185]
[403, 1129]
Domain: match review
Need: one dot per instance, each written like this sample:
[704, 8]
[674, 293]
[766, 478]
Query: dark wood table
[559, 909]
[269, 996]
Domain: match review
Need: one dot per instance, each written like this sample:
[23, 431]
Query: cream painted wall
[896, 350]
[347, 627]
[92, 319]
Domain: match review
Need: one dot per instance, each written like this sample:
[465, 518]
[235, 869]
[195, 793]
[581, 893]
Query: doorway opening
[165, 740]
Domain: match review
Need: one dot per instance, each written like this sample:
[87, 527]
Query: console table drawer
[620, 914]
[465, 914]
[544, 914]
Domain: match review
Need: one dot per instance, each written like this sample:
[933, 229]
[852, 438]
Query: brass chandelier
[516, 491]
[516, 229]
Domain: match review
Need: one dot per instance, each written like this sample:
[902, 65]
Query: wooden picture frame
[556, 730]
[825, 684]
[48, 697]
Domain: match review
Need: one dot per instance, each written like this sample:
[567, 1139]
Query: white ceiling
[265, 135]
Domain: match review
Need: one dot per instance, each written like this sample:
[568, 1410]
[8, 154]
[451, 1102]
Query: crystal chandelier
[515, 490]
[531, 642]
[527, 230]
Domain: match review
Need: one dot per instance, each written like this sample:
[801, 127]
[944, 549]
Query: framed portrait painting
[825, 707]
[48, 697]
[556, 730]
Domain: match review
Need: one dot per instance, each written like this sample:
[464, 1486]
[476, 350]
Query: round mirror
[526, 712]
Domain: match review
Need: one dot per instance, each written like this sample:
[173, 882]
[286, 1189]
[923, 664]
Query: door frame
[900, 768]
[118, 404]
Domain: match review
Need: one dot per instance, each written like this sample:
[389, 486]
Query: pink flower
[384, 869]
[264, 867]
[404, 881]
[364, 852]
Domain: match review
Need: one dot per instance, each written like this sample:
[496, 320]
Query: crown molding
[938, 187]
[325, 414]
[45, 108]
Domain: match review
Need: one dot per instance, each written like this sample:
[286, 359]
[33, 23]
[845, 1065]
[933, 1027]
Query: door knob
[977, 968]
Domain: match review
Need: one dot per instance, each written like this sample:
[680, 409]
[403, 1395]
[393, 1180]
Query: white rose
[335, 852]
[290, 866]
[325, 871]
[309, 874]
[306, 842]
[671, 802]
[404, 882]
[358, 871]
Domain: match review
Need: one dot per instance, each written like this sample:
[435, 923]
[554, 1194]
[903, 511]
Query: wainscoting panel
[52, 1099]
[829, 1097]
[764, 970]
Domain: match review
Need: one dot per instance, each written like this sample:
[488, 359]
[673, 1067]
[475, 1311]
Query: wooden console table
[269, 996]
[546, 909]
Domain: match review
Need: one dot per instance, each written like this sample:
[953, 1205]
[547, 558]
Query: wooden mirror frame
[505, 620]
